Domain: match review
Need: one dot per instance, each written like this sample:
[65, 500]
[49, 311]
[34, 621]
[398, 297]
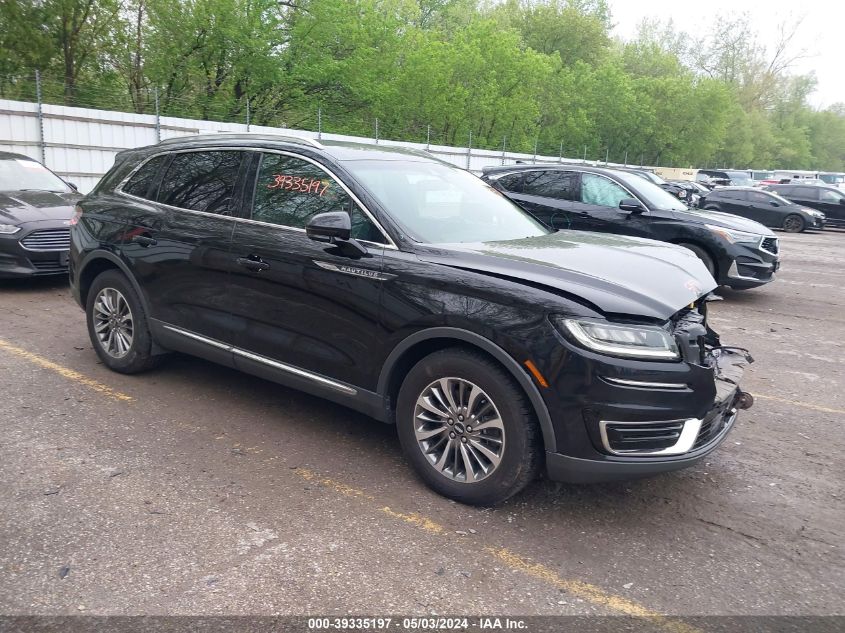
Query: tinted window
[806, 193]
[830, 196]
[733, 194]
[139, 184]
[785, 191]
[201, 181]
[291, 190]
[551, 184]
[601, 191]
[511, 182]
[760, 198]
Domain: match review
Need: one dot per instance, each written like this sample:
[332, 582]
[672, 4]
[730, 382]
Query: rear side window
[201, 181]
[142, 180]
[291, 190]
[550, 184]
[601, 191]
[733, 195]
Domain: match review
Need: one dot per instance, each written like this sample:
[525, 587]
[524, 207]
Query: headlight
[735, 237]
[813, 212]
[630, 341]
[8, 229]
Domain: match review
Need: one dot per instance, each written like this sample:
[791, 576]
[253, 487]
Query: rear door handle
[255, 264]
[144, 240]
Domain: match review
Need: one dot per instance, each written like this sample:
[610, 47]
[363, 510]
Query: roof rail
[288, 138]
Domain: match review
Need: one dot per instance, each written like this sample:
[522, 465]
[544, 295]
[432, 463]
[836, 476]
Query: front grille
[642, 437]
[49, 266]
[47, 240]
[770, 245]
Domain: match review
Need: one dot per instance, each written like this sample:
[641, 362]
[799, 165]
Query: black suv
[738, 253]
[406, 288]
[828, 200]
[765, 207]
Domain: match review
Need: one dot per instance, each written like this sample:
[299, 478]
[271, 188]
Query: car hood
[725, 220]
[19, 207]
[615, 273]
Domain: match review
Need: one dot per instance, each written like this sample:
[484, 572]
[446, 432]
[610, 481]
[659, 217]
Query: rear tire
[117, 325]
[442, 397]
[793, 223]
[703, 255]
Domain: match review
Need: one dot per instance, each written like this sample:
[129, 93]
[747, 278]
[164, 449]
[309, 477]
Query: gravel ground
[194, 489]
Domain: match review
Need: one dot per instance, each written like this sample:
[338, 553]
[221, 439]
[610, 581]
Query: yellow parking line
[66, 372]
[798, 403]
[514, 562]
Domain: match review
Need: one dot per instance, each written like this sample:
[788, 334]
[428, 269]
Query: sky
[821, 34]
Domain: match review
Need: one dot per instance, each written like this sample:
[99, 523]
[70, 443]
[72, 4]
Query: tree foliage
[514, 73]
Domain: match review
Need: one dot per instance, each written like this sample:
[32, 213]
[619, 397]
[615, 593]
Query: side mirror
[335, 227]
[330, 226]
[841, 200]
[774, 203]
[72, 186]
[631, 205]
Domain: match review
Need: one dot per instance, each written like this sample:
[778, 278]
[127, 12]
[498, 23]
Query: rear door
[300, 305]
[177, 244]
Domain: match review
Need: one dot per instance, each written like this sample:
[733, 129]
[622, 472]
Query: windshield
[439, 203]
[832, 179]
[655, 197]
[740, 178]
[19, 174]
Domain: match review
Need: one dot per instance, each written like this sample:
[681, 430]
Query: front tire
[467, 428]
[117, 325]
[793, 223]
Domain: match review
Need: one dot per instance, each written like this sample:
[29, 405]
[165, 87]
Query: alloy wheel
[459, 430]
[113, 323]
[793, 224]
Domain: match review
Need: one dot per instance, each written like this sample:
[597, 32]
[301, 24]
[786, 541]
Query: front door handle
[253, 263]
[144, 240]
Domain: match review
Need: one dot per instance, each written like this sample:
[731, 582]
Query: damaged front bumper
[643, 419]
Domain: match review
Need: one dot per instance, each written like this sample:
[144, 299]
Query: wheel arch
[680, 241]
[420, 344]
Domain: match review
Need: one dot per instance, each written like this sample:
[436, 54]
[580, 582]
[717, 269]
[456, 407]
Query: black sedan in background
[679, 191]
[765, 207]
[36, 207]
[828, 200]
[738, 253]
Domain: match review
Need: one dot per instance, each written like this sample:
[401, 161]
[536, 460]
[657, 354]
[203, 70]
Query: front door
[832, 204]
[303, 307]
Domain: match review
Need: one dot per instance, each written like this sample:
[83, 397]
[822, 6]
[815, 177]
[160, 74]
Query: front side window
[733, 194]
[760, 198]
[289, 191]
[601, 191]
[550, 184]
[141, 181]
[202, 181]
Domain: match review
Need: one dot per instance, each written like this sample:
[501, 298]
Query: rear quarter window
[141, 182]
